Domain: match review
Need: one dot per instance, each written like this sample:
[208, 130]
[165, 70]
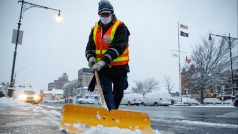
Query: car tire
[2, 94]
[156, 104]
[142, 103]
[235, 102]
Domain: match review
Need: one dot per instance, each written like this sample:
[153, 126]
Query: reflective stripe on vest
[102, 44]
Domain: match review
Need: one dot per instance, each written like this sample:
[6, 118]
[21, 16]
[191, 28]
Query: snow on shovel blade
[73, 115]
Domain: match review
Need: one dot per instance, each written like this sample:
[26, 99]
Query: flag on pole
[183, 26]
[183, 34]
[188, 60]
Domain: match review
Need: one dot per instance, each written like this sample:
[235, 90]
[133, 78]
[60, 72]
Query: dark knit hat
[105, 6]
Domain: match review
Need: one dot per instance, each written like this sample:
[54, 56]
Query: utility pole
[23, 9]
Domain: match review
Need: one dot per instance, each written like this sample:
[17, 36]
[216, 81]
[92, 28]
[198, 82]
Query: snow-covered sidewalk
[24, 118]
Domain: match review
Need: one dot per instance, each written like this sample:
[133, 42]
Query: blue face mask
[106, 20]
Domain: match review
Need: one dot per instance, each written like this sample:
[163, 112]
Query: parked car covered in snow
[228, 102]
[156, 99]
[186, 101]
[132, 99]
[212, 101]
[86, 100]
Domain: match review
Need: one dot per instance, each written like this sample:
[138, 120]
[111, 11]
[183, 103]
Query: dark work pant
[113, 86]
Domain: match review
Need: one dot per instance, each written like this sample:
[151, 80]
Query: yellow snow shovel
[75, 118]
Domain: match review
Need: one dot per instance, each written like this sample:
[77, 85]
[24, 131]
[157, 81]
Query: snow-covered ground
[218, 105]
[106, 130]
[212, 116]
[198, 123]
[52, 118]
[12, 103]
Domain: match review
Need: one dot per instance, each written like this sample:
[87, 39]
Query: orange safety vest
[103, 43]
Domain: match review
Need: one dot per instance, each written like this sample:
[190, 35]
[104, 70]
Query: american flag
[183, 26]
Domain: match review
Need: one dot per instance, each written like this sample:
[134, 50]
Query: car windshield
[29, 92]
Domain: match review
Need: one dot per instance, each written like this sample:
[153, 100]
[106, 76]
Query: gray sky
[50, 48]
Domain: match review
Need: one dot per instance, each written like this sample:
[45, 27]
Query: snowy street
[119, 67]
[21, 118]
[184, 120]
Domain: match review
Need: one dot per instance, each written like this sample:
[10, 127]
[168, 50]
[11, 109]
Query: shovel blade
[74, 115]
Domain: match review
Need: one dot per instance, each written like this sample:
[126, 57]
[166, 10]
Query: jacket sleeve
[90, 48]
[118, 45]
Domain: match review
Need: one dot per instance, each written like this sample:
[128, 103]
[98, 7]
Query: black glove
[92, 84]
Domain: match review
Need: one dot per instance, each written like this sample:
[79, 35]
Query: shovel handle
[100, 91]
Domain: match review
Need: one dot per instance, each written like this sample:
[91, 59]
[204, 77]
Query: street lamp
[24, 8]
[58, 17]
[228, 40]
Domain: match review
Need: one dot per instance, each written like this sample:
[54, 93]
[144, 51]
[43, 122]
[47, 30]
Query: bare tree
[145, 86]
[139, 87]
[169, 85]
[210, 60]
[151, 84]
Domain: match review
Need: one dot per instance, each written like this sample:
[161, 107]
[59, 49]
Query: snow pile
[53, 116]
[189, 100]
[55, 112]
[50, 118]
[50, 112]
[107, 130]
[12, 103]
